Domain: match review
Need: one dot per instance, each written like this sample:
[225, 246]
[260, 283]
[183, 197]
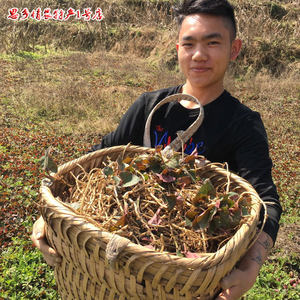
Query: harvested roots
[161, 203]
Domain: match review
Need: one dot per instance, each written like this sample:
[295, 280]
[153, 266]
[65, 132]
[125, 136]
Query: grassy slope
[53, 96]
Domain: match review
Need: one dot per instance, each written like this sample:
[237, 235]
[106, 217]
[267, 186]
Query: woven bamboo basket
[137, 272]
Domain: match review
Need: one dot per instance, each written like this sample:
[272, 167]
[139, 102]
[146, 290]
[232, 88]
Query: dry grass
[76, 93]
[122, 17]
[269, 31]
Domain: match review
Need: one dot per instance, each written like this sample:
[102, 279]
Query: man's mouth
[200, 69]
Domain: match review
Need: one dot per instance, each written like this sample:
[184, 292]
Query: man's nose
[200, 54]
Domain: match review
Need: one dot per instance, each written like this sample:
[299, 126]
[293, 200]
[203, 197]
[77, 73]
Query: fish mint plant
[164, 203]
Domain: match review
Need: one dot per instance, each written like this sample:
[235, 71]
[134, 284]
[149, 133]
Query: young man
[230, 132]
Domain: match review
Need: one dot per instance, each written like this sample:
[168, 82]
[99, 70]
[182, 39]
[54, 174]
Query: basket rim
[63, 210]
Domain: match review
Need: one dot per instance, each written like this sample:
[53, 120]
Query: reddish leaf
[127, 160]
[155, 220]
[166, 178]
[179, 200]
[202, 221]
[206, 190]
[191, 214]
[189, 254]
[189, 158]
[218, 203]
[119, 224]
[141, 167]
[150, 247]
[186, 180]
[158, 148]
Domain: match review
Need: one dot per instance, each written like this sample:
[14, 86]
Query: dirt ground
[288, 239]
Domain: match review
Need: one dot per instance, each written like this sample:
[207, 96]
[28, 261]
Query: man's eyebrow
[214, 35]
[188, 38]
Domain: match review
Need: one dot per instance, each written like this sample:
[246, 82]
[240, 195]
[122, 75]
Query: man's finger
[38, 230]
[230, 294]
[231, 279]
[50, 255]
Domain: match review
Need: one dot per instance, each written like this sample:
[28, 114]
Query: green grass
[278, 280]
[24, 274]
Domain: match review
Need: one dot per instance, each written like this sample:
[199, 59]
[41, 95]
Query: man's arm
[254, 164]
[241, 279]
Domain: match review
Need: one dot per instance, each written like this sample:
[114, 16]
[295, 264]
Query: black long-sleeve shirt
[231, 132]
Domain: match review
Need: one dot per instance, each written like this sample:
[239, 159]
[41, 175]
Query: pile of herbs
[161, 203]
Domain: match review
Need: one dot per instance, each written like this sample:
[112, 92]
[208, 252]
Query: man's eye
[187, 44]
[213, 43]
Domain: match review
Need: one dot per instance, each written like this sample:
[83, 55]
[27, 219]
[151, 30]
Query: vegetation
[65, 84]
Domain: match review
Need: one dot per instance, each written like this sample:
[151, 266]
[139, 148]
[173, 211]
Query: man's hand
[39, 240]
[241, 279]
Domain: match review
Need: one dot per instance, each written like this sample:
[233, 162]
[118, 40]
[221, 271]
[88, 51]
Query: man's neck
[204, 96]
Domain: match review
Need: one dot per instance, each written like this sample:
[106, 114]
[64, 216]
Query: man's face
[205, 50]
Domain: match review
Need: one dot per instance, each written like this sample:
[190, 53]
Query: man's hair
[220, 8]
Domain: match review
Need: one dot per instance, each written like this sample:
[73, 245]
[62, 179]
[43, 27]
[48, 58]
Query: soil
[288, 239]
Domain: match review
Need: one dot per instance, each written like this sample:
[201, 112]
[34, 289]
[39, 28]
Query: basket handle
[182, 136]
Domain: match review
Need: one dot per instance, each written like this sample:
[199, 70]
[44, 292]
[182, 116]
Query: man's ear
[177, 46]
[236, 46]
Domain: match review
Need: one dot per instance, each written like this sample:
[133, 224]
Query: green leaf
[171, 200]
[245, 212]
[121, 165]
[129, 179]
[117, 180]
[108, 171]
[155, 164]
[188, 222]
[173, 162]
[235, 218]
[226, 219]
[215, 225]
[245, 202]
[48, 163]
[203, 220]
[192, 174]
[206, 190]
[229, 199]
